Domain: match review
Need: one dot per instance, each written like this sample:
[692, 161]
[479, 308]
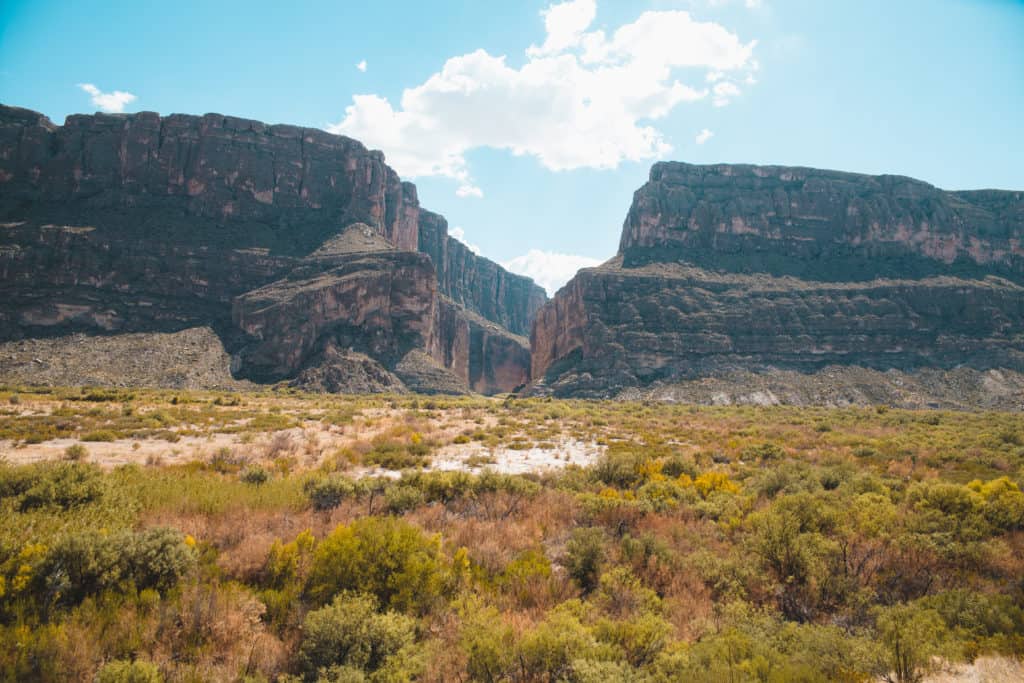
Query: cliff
[480, 285]
[744, 269]
[138, 223]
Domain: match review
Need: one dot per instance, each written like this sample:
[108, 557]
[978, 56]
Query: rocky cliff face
[726, 269]
[140, 223]
[480, 285]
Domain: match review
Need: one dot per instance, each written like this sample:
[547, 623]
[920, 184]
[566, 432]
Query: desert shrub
[402, 498]
[395, 456]
[488, 644]
[676, 465]
[619, 467]
[101, 435]
[254, 474]
[122, 671]
[784, 478]
[328, 492]
[76, 452]
[62, 485]
[350, 634]
[584, 556]
[1003, 502]
[766, 452]
[84, 564]
[980, 621]
[550, 650]
[226, 461]
[384, 556]
[528, 578]
[753, 645]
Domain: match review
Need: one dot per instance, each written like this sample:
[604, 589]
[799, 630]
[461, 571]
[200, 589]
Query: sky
[529, 124]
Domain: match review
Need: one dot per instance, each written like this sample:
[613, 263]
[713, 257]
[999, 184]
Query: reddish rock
[480, 285]
[742, 268]
[295, 245]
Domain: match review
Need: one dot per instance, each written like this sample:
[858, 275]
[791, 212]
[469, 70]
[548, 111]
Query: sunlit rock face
[290, 242]
[744, 268]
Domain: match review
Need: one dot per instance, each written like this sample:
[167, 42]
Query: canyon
[247, 254]
[302, 253]
[738, 283]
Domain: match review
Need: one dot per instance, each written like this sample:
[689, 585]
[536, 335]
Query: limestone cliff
[725, 269]
[112, 224]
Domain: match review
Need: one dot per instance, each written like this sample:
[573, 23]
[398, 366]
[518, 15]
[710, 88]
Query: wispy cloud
[467, 190]
[110, 102]
[703, 136]
[549, 269]
[583, 99]
[362, 66]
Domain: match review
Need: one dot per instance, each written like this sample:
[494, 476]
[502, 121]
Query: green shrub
[101, 435]
[255, 475]
[350, 637]
[386, 557]
[76, 452]
[619, 468]
[584, 555]
[328, 493]
[401, 498]
[88, 563]
[63, 485]
[121, 671]
[911, 637]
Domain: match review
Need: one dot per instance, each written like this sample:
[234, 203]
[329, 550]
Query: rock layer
[117, 224]
[733, 269]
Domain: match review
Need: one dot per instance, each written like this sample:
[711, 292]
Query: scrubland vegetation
[705, 544]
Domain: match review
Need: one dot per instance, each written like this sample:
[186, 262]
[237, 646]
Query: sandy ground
[983, 670]
[309, 445]
[508, 461]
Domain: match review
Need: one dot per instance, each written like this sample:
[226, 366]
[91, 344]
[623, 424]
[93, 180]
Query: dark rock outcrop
[298, 247]
[731, 269]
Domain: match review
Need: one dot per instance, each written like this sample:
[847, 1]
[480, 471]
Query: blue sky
[539, 153]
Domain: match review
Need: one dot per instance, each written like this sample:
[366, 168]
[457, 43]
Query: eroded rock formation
[298, 247]
[726, 269]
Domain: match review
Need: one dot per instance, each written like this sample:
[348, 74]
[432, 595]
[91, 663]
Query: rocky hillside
[737, 271]
[301, 249]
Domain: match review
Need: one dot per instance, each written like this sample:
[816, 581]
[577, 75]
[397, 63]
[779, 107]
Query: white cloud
[467, 190]
[703, 136]
[582, 99]
[565, 24]
[753, 4]
[724, 91]
[460, 234]
[362, 66]
[549, 269]
[110, 102]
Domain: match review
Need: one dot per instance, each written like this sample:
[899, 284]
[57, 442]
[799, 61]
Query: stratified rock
[732, 269]
[382, 304]
[136, 223]
[476, 283]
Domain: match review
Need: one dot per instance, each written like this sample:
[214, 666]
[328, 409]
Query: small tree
[910, 637]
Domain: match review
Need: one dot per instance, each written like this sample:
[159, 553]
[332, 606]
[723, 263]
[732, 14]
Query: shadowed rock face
[140, 223]
[480, 285]
[740, 268]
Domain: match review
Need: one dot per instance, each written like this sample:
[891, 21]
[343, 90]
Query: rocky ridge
[741, 271]
[297, 247]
